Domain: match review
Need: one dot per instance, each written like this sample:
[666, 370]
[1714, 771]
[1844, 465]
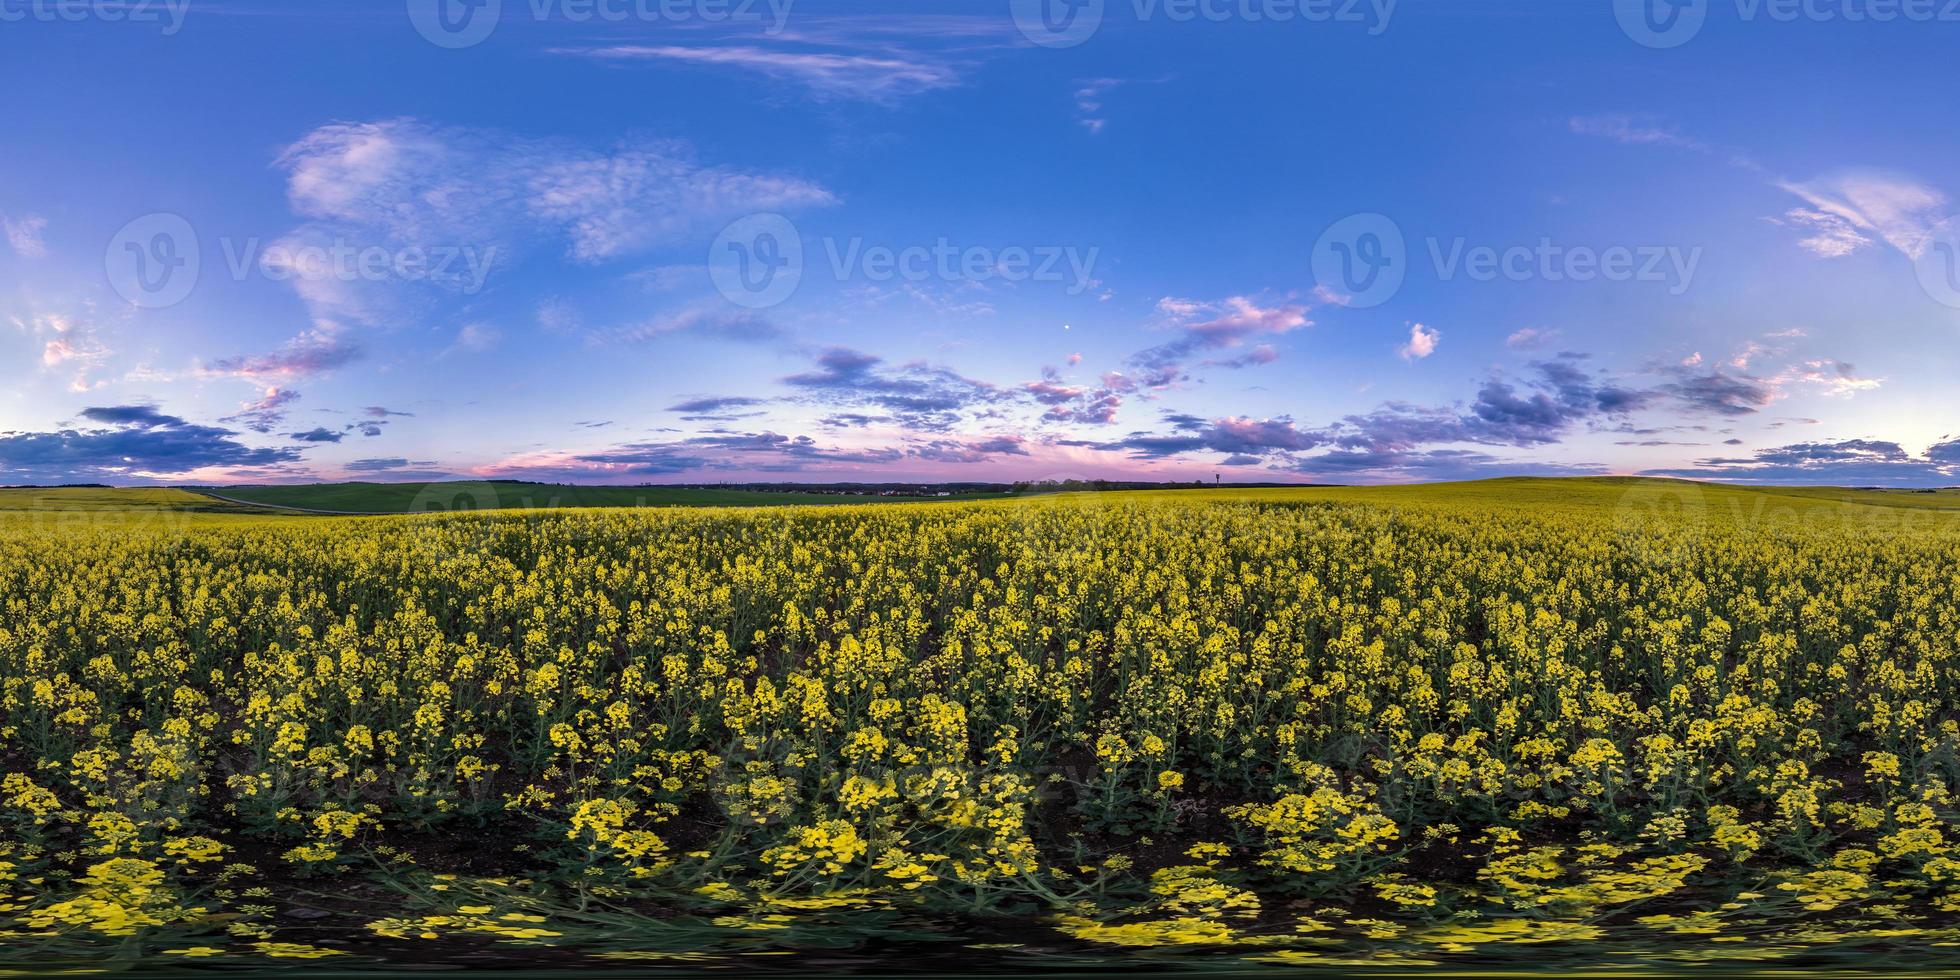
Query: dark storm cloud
[130, 439]
[1848, 462]
[1718, 393]
[917, 396]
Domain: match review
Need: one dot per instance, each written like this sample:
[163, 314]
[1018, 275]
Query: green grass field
[1687, 498]
[114, 500]
[409, 498]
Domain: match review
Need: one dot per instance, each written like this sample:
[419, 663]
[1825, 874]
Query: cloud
[715, 404]
[1538, 409]
[708, 319]
[267, 412]
[1079, 404]
[1530, 338]
[1720, 393]
[1088, 102]
[917, 395]
[638, 194]
[396, 468]
[1627, 129]
[382, 412]
[375, 465]
[1422, 343]
[968, 450]
[1240, 318]
[1342, 466]
[1228, 323]
[1834, 377]
[885, 78]
[667, 278]
[24, 235]
[1831, 236]
[316, 435]
[763, 452]
[133, 416]
[1262, 354]
[68, 343]
[760, 450]
[1237, 436]
[1848, 462]
[310, 353]
[1847, 207]
[558, 317]
[484, 198]
[1844, 211]
[129, 442]
[474, 338]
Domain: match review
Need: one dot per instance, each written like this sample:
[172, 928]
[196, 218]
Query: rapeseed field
[1624, 723]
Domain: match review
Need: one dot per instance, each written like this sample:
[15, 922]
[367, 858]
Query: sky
[687, 241]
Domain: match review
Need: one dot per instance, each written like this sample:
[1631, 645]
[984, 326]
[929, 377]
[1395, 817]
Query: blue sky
[649, 241]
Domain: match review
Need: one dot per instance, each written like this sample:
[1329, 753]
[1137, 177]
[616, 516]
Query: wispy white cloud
[614, 202]
[1848, 207]
[69, 342]
[313, 352]
[474, 338]
[885, 77]
[1829, 377]
[1830, 236]
[483, 198]
[1530, 338]
[1089, 102]
[24, 235]
[266, 412]
[1628, 129]
[1843, 211]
